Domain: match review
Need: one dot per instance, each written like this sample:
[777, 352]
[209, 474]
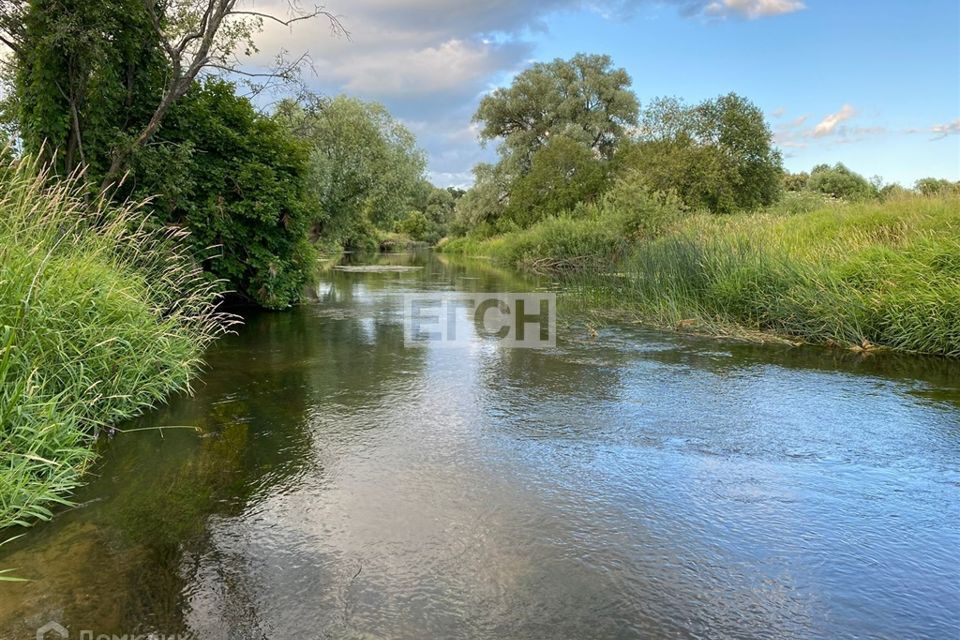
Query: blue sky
[875, 85]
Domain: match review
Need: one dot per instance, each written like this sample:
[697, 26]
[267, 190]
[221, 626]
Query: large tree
[717, 155]
[585, 99]
[238, 181]
[96, 80]
[365, 167]
[562, 174]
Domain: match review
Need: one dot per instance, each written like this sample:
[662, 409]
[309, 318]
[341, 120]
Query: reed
[102, 315]
[865, 275]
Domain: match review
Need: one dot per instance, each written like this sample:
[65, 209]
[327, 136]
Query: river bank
[866, 276]
[101, 317]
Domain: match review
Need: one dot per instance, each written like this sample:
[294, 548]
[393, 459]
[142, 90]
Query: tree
[78, 92]
[365, 166]
[840, 182]
[937, 187]
[483, 205]
[717, 155]
[795, 181]
[585, 99]
[97, 79]
[562, 174]
[236, 180]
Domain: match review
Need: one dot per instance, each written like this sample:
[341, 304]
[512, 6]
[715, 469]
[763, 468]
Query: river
[625, 484]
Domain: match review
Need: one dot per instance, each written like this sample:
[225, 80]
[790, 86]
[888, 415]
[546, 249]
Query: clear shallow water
[628, 484]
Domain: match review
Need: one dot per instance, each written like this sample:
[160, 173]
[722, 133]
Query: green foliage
[865, 275]
[482, 207]
[555, 245]
[840, 182]
[365, 167]
[419, 227]
[237, 181]
[100, 318]
[717, 155]
[793, 182]
[563, 173]
[588, 238]
[937, 187]
[79, 93]
[585, 99]
[437, 206]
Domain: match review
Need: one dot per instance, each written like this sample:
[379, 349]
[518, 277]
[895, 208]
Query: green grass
[100, 317]
[867, 275]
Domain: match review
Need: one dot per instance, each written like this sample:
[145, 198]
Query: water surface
[626, 484]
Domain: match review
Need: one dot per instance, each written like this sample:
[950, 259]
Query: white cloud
[946, 129]
[430, 60]
[830, 130]
[829, 124]
[752, 9]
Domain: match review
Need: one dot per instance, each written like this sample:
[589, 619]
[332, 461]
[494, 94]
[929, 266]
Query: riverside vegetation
[684, 212]
[682, 217]
[101, 317]
[139, 190]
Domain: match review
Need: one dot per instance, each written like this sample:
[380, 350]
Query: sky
[873, 84]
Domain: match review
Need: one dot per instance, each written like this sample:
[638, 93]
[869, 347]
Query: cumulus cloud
[431, 60]
[829, 124]
[832, 129]
[752, 9]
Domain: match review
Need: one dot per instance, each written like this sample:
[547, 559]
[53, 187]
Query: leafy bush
[717, 155]
[840, 182]
[418, 227]
[100, 317]
[591, 237]
[237, 181]
[562, 174]
[937, 187]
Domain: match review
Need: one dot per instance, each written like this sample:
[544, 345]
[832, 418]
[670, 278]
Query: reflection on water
[625, 484]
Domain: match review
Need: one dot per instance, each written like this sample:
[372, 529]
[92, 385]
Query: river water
[626, 484]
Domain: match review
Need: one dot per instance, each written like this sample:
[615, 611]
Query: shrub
[237, 181]
[840, 182]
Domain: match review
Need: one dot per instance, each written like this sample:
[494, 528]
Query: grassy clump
[866, 275]
[591, 238]
[100, 317]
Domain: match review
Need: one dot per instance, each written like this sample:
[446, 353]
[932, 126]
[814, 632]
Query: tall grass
[591, 238]
[101, 316]
[864, 276]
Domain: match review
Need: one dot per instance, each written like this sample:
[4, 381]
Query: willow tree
[365, 166]
[585, 99]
